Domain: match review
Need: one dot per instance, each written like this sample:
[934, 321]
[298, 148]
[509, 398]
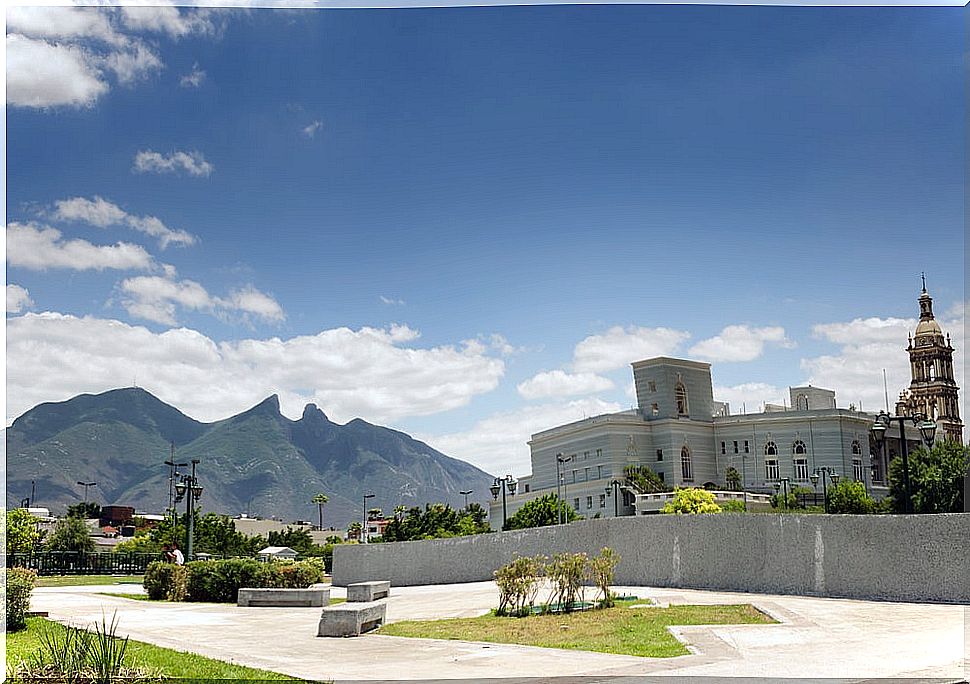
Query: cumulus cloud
[391, 301]
[156, 298]
[42, 74]
[499, 443]
[39, 248]
[559, 383]
[167, 19]
[750, 397]
[193, 79]
[619, 347]
[375, 374]
[193, 163]
[102, 213]
[739, 343]
[311, 130]
[18, 299]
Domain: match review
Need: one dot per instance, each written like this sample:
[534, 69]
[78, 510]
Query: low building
[277, 553]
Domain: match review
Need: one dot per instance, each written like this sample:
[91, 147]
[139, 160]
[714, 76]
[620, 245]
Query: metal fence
[80, 563]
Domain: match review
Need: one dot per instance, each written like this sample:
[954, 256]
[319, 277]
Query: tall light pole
[823, 471]
[465, 494]
[173, 473]
[363, 529]
[927, 430]
[86, 485]
[190, 488]
[561, 484]
[614, 489]
[503, 484]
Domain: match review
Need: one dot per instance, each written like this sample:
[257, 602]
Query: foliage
[213, 534]
[518, 583]
[84, 510]
[166, 581]
[733, 506]
[601, 570]
[733, 479]
[22, 534]
[644, 480]
[320, 500]
[936, 478]
[567, 572]
[849, 496]
[140, 543]
[70, 534]
[20, 585]
[691, 500]
[541, 512]
[436, 521]
[219, 581]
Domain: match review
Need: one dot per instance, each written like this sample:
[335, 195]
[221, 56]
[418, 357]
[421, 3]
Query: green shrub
[20, 585]
[165, 581]
[302, 574]
[691, 500]
[567, 572]
[733, 506]
[518, 584]
[601, 570]
[219, 581]
[850, 497]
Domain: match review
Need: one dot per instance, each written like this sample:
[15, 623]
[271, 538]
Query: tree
[70, 534]
[849, 496]
[299, 540]
[936, 478]
[644, 480]
[213, 533]
[320, 499]
[435, 521]
[85, 509]
[355, 530]
[22, 534]
[733, 479]
[541, 512]
[140, 543]
[691, 500]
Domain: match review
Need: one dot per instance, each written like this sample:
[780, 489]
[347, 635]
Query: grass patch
[166, 661]
[621, 630]
[87, 580]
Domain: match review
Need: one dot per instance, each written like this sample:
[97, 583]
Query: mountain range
[257, 462]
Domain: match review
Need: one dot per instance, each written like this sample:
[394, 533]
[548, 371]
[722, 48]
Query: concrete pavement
[818, 638]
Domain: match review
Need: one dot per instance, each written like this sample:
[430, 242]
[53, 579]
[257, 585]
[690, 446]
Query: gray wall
[906, 558]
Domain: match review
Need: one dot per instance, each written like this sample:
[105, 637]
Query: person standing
[177, 556]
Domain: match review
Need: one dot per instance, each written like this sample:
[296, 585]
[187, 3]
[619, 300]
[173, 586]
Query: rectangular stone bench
[314, 597]
[367, 591]
[351, 619]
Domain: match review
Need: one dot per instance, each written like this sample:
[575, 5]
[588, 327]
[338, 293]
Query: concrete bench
[351, 619]
[314, 597]
[367, 591]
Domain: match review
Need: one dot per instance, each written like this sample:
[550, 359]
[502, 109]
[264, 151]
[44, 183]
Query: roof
[277, 551]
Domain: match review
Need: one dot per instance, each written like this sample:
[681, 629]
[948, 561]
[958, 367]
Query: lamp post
[927, 430]
[784, 482]
[465, 494]
[614, 490]
[501, 484]
[173, 473]
[188, 486]
[561, 485]
[363, 529]
[86, 485]
[832, 475]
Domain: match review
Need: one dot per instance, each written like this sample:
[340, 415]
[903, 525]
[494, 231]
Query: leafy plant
[936, 478]
[166, 581]
[849, 496]
[541, 512]
[733, 506]
[601, 570]
[567, 572]
[22, 534]
[691, 500]
[518, 584]
[20, 585]
[644, 480]
[733, 479]
[436, 521]
[70, 534]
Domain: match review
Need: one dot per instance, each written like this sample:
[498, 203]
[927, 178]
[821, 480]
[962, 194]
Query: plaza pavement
[841, 639]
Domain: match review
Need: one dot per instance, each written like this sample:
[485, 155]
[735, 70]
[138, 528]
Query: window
[602, 500]
[857, 470]
[585, 455]
[526, 488]
[586, 474]
[680, 398]
[662, 478]
[654, 409]
[856, 448]
[801, 402]
[771, 449]
[723, 448]
[589, 502]
[771, 469]
[735, 446]
[576, 503]
[599, 472]
[660, 454]
[652, 385]
[599, 453]
[574, 477]
[801, 469]
[746, 447]
[686, 467]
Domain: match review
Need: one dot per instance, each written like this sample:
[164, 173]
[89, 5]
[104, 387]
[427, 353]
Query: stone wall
[904, 558]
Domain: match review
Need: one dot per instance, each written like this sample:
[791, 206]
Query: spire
[923, 276]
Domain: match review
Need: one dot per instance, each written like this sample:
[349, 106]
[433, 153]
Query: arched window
[771, 461]
[686, 467]
[801, 402]
[798, 448]
[680, 397]
[856, 448]
[771, 449]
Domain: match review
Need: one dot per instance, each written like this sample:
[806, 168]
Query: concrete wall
[905, 558]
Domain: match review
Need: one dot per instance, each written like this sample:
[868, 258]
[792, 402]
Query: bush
[541, 512]
[22, 534]
[302, 574]
[733, 506]
[601, 570]
[518, 584]
[849, 496]
[567, 572]
[20, 585]
[219, 581]
[70, 534]
[691, 500]
[165, 581]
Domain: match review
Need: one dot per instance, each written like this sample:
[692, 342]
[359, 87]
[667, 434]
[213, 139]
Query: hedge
[166, 581]
[20, 585]
[219, 581]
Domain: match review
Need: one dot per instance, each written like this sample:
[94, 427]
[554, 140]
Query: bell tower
[933, 390]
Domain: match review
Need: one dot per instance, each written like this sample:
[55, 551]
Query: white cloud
[165, 18]
[750, 397]
[18, 299]
[132, 64]
[103, 213]
[194, 163]
[63, 23]
[156, 298]
[42, 74]
[311, 130]
[370, 373]
[619, 347]
[391, 301]
[194, 78]
[558, 383]
[739, 343]
[499, 443]
[41, 247]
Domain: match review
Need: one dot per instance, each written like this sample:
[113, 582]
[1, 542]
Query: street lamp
[503, 484]
[783, 482]
[832, 475]
[86, 485]
[465, 494]
[188, 487]
[561, 485]
[173, 472]
[614, 490]
[927, 430]
[363, 529]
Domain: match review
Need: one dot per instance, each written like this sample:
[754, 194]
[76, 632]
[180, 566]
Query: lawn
[621, 630]
[166, 661]
[87, 580]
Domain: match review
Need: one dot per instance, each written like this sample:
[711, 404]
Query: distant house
[277, 552]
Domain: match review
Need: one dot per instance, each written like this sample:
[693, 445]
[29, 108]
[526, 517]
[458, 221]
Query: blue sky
[467, 222]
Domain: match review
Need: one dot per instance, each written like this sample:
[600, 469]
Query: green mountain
[258, 462]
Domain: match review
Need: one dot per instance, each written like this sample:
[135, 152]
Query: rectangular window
[599, 453]
[771, 469]
[526, 488]
[801, 469]
[746, 447]
[574, 477]
[723, 451]
[599, 472]
[857, 474]
[585, 455]
[602, 500]
[576, 503]
[735, 446]
[589, 502]
[661, 476]
[655, 409]
[586, 474]
[660, 454]
[652, 385]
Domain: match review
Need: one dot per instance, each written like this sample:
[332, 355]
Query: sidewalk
[818, 638]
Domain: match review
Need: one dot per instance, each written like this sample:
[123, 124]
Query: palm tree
[319, 500]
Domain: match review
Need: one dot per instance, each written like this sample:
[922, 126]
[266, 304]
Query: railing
[80, 563]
